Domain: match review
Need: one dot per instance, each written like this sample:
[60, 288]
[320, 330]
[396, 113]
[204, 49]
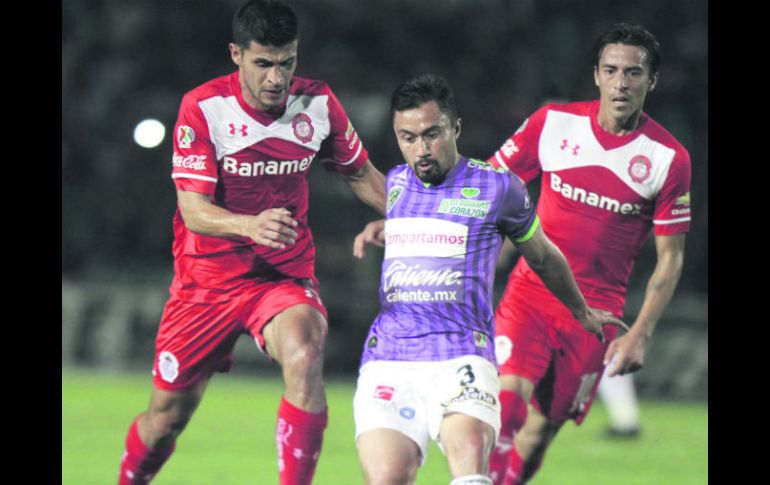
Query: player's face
[428, 141]
[265, 72]
[623, 77]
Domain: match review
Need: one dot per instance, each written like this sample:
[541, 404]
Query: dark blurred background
[126, 61]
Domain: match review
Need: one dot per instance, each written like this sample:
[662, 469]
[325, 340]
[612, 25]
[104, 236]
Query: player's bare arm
[373, 233]
[551, 266]
[369, 185]
[272, 227]
[630, 348]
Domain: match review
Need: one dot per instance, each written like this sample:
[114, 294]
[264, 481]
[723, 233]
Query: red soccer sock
[139, 463]
[512, 416]
[519, 472]
[298, 437]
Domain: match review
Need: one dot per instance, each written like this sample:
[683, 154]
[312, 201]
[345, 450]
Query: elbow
[538, 264]
[191, 221]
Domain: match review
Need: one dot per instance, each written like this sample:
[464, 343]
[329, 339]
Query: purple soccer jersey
[441, 246]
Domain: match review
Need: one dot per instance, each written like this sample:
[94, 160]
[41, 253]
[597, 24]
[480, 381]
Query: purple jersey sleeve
[517, 216]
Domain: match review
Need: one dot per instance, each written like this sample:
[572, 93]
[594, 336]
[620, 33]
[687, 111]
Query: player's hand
[595, 319]
[626, 353]
[373, 233]
[272, 228]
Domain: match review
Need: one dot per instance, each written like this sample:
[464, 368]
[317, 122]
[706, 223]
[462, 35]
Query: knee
[390, 475]
[302, 350]
[537, 434]
[303, 356]
[471, 448]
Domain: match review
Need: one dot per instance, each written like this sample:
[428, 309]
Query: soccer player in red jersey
[611, 175]
[243, 252]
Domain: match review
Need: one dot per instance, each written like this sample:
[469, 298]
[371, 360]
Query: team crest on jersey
[185, 136]
[303, 127]
[479, 339]
[470, 192]
[393, 195]
[639, 168]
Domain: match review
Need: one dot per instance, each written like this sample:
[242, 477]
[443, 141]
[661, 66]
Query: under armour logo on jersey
[242, 129]
[565, 145]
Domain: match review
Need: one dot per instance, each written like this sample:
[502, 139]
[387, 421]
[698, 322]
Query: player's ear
[457, 128]
[235, 53]
[596, 76]
[653, 81]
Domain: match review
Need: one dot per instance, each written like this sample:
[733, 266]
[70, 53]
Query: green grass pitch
[230, 439]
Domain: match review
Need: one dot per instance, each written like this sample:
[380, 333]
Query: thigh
[575, 375]
[467, 385]
[523, 339]
[388, 456]
[295, 301]
[389, 396]
[194, 340]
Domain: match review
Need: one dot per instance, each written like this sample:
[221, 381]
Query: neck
[618, 125]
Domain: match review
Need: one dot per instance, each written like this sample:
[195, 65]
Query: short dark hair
[628, 34]
[266, 22]
[428, 87]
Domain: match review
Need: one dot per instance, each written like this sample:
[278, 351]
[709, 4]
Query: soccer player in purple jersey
[428, 369]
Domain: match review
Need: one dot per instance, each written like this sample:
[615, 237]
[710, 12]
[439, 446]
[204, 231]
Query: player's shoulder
[399, 173]
[219, 86]
[301, 86]
[656, 132]
[499, 179]
[578, 108]
[486, 168]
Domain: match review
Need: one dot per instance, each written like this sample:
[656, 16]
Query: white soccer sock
[619, 398]
[472, 480]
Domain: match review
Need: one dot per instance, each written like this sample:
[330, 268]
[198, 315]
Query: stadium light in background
[149, 133]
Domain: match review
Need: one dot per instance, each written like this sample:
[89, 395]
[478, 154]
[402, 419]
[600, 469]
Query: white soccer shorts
[413, 397]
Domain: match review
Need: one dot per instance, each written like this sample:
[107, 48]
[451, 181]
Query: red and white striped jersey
[248, 161]
[601, 194]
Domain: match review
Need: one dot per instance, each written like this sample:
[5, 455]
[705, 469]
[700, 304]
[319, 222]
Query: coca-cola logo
[190, 162]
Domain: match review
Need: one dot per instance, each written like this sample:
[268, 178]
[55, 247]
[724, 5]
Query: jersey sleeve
[672, 206]
[517, 217]
[519, 153]
[194, 161]
[343, 150]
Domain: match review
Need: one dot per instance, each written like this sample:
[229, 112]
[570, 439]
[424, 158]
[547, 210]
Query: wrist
[581, 314]
[640, 331]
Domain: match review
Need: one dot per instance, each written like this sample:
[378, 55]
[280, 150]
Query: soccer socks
[519, 472]
[139, 463]
[472, 480]
[512, 417]
[619, 398]
[298, 437]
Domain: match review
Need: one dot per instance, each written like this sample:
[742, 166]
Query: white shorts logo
[503, 348]
[169, 366]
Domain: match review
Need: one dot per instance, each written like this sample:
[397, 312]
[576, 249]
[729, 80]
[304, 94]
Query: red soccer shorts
[196, 339]
[538, 339]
